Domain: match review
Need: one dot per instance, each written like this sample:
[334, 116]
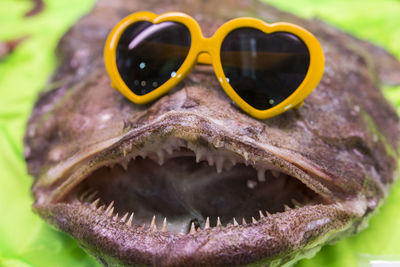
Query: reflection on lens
[150, 54]
[264, 69]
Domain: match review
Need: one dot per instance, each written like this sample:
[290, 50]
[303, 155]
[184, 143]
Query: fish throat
[183, 188]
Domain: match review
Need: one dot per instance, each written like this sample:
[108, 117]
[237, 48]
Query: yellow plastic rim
[207, 51]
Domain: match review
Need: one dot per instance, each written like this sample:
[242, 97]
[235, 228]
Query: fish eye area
[183, 190]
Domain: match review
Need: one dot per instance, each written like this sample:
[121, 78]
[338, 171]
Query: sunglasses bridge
[204, 58]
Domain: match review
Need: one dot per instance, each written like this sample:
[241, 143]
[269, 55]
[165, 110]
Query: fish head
[190, 179]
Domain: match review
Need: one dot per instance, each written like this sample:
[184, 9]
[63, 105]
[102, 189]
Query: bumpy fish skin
[345, 138]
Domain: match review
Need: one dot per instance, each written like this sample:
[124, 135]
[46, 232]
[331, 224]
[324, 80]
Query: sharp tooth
[219, 163]
[275, 173]
[164, 225]
[235, 223]
[101, 208]
[91, 196]
[83, 196]
[233, 161]
[253, 220]
[123, 219]
[268, 214]
[95, 203]
[160, 155]
[110, 206]
[125, 164]
[287, 208]
[261, 175]
[110, 212]
[192, 229]
[218, 221]
[251, 184]
[143, 226]
[210, 160]
[296, 203]
[246, 157]
[261, 214]
[169, 150]
[207, 224]
[115, 218]
[153, 225]
[129, 222]
[244, 221]
[199, 155]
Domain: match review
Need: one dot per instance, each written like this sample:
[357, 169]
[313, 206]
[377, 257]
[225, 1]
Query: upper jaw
[53, 184]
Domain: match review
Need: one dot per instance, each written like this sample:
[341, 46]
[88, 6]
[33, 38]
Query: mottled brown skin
[342, 143]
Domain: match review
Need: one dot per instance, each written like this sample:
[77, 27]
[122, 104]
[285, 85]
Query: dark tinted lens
[264, 69]
[150, 54]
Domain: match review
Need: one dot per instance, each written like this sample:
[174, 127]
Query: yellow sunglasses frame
[201, 46]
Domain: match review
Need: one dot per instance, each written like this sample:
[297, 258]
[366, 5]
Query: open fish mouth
[210, 201]
[182, 188]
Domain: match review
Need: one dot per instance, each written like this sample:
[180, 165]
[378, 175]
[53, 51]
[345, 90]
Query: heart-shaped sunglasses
[266, 69]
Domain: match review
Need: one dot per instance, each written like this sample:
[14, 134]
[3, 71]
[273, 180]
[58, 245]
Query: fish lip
[165, 126]
[294, 233]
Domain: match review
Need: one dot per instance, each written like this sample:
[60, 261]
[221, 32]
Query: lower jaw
[274, 239]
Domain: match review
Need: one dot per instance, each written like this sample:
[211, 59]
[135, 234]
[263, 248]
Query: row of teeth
[127, 219]
[161, 154]
[219, 159]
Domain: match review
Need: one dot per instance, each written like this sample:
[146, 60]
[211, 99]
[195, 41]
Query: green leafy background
[25, 240]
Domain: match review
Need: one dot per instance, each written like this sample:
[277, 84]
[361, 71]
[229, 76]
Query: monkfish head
[190, 179]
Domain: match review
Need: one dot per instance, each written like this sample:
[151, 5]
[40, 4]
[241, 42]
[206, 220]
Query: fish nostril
[190, 103]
